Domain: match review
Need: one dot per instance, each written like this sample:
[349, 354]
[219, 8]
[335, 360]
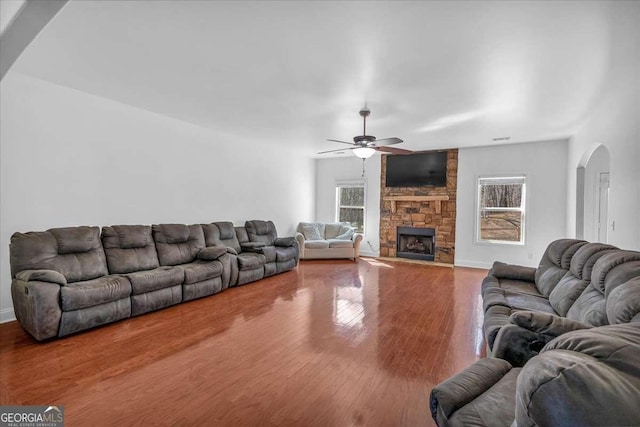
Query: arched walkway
[592, 186]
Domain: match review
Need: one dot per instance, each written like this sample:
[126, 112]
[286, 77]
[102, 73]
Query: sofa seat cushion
[339, 243]
[94, 292]
[152, 280]
[285, 254]
[516, 300]
[316, 244]
[520, 286]
[199, 271]
[250, 261]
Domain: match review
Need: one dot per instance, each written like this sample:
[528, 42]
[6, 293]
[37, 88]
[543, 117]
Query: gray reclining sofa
[574, 324]
[582, 378]
[66, 280]
[596, 290]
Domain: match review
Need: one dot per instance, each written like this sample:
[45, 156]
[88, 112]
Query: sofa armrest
[37, 307]
[454, 393]
[231, 250]
[545, 323]
[300, 239]
[357, 239]
[212, 253]
[252, 246]
[284, 242]
[50, 276]
[513, 272]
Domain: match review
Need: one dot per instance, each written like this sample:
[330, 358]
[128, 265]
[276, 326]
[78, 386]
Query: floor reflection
[349, 311]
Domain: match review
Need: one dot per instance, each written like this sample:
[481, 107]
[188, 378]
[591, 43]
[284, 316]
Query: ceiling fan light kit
[363, 152]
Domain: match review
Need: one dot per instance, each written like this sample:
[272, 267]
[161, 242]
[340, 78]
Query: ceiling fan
[364, 145]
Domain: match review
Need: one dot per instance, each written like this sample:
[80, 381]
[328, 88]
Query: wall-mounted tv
[417, 170]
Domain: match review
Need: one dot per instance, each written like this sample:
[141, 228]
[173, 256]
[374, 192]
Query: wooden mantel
[436, 199]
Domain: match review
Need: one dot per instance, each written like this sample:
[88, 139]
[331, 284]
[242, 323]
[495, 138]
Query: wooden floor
[332, 343]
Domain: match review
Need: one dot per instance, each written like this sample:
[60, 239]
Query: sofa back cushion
[334, 229]
[75, 252]
[129, 248]
[555, 263]
[613, 269]
[623, 303]
[177, 243]
[574, 282]
[221, 234]
[261, 231]
[311, 230]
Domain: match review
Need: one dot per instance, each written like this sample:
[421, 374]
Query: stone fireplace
[416, 243]
[420, 207]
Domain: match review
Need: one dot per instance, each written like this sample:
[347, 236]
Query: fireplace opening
[416, 243]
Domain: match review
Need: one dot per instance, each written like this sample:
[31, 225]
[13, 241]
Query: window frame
[347, 183]
[523, 209]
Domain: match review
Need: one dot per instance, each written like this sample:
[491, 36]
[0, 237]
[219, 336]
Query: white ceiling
[436, 74]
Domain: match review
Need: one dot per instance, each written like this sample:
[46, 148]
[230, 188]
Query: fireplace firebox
[416, 243]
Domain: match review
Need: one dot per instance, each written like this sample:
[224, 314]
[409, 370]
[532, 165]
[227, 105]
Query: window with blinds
[501, 209]
[350, 203]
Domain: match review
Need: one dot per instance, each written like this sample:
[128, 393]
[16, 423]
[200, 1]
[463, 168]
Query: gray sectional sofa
[66, 280]
[574, 324]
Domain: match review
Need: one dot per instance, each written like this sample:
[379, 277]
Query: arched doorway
[592, 195]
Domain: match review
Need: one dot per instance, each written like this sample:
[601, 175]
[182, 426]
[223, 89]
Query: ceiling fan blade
[334, 151]
[393, 150]
[388, 141]
[342, 142]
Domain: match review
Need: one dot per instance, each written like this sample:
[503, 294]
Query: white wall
[69, 158]
[328, 172]
[615, 123]
[544, 164]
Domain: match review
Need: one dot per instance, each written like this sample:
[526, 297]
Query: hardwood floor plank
[332, 343]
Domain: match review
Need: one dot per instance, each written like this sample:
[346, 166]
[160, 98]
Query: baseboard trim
[472, 264]
[7, 315]
[369, 254]
[416, 261]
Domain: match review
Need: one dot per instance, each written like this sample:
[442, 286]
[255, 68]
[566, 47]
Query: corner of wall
[7, 315]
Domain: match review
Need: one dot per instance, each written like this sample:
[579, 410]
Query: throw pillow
[312, 232]
[346, 233]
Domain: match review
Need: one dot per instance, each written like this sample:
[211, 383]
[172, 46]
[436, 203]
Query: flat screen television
[417, 170]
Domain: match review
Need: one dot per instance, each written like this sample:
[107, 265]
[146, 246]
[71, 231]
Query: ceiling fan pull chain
[363, 167]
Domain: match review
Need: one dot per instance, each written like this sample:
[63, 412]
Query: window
[350, 204]
[501, 210]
